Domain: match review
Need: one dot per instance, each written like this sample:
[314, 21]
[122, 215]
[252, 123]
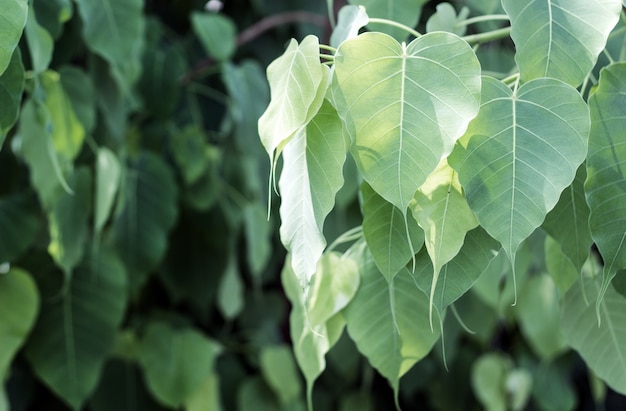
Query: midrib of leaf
[514, 131]
[400, 151]
[70, 348]
[550, 29]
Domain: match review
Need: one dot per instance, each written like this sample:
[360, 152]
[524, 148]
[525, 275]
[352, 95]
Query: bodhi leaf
[446, 19]
[603, 345]
[12, 21]
[560, 266]
[279, 371]
[560, 38]
[388, 321]
[406, 12]
[311, 176]
[385, 230]
[19, 224]
[40, 43]
[605, 187]
[216, 33]
[518, 155]
[440, 208]
[349, 21]
[404, 106]
[11, 88]
[108, 173]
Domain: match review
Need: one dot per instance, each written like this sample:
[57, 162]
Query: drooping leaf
[12, 20]
[560, 38]
[349, 21]
[440, 208]
[19, 225]
[385, 229]
[279, 371]
[489, 374]
[560, 266]
[216, 34]
[406, 12]
[81, 94]
[518, 155]
[40, 43]
[114, 29]
[108, 173]
[568, 222]
[603, 345]
[446, 19]
[605, 187]
[311, 176]
[11, 88]
[176, 361]
[459, 274]
[67, 221]
[388, 321]
[19, 304]
[76, 330]
[404, 106]
[146, 211]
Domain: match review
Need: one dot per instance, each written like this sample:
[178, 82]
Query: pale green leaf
[279, 370]
[216, 34]
[108, 173]
[12, 20]
[176, 361]
[114, 29]
[560, 38]
[605, 187]
[19, 304]
[349, 21]
[388, 321]
[560, 266]
[458, 275]
[311, 176]
[488, 380]
[406, 12]
[11, 88]
[392, 237]
[519, 154]
[568, 222]
[603, 345]
[207, 396]
[446, 19]
[76, 330]
[404, 106]
[40, 43]
[258, 237]
[19, 225]
[146, 211]
[538, 312]
[67, 221]
[230, 296]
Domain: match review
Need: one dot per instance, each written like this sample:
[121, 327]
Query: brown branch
[255, 31]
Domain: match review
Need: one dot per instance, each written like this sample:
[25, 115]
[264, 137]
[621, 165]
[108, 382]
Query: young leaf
[603, 345]
[349, 22]
[519, 154]
[445, 19]
[560, 38]
[406, 12]
[12, 21]
[216, 33]
[404, 106]
[311, 176]
[605, 187]
[11, 88]
[108, 173]
[385, 230]
[388, 321]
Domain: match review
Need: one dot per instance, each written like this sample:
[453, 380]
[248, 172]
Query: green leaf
[11, 88]
[349, 21]
[114, 29]
[385, 229]
[295, 78]
[404, 106]
[603, 345]
[108, 173]
[406, 12]
[40, 43]
[258, 237]
[488, 380]
[552, 388]
[315, 319]
[560, 38]
[446, 19]
[458, 275]
[176, 361]
[13, 20]
[146, 211]
[76, 330]
[188, 149]
[311, 176]
[279, 370]
[388, 321]
[19, 303]
[568, 222]
[440, 208]
[519, 154]
[605, 187]
[67, 222]
[216, 32]
[207, 396]
[81, 94]
[19, 225]
[561, 269]
[538, 312]
[230, 296]
[52, 14]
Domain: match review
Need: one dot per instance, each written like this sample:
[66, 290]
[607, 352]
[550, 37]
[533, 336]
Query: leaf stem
[510, 79]
[488, 36]
[480, 19]
[328, 48]
[350, 235]
[395, 24]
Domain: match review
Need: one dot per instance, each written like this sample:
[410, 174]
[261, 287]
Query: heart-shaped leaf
[12, 20]
[406, 12]
[349, 22]
[404, 106]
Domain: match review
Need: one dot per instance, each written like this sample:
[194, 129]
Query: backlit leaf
[108, 174]
[12, 21]
[404, 106]
[560, 38]
[406, 12]
[11, 88]
[349, 21]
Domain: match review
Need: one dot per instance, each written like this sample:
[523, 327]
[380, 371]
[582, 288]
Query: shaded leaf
[258, 237]
[19, 225]
[560, 267]
[349, 21]
[40, 43]
[489, 374]
[230, 297]
[81, 94]
[52, 14]
[13, 20]
[560, 38]
[279, 370]
[216, 33]
[11, 88]
[207, 396]
[445, 19]
[404, 106]
[188, 148]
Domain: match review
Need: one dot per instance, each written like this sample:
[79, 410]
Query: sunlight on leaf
[350, 20]
[108, 174]
[406, 12]
[12, 21]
